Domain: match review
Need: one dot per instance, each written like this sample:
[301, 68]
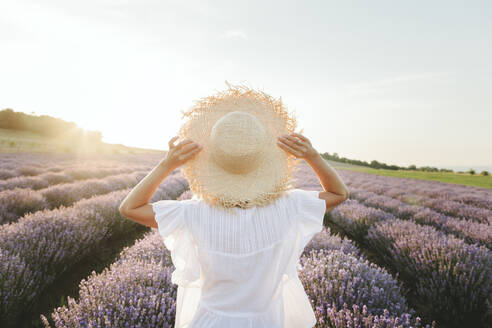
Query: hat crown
[237, 142]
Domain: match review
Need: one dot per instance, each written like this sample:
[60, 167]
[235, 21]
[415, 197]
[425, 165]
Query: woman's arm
[335, 190]
[330, 180]
[136, 205]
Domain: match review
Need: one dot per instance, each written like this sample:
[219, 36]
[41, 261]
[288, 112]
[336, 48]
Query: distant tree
[375, 164]
[379, 165]
[11, 120]
[45, 125]
[471, 171]
[429, 169]
[485, 173]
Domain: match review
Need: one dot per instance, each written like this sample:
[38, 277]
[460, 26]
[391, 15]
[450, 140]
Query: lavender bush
[438, 269]
[471, 231]
[68, 193]
[459, 209]
[65, 176]
[7, 174]
[135, 290]
[17, 202]
[135, 294]
[356, 219]
[461, 201]
[51, 241]
[325, 240]
[333, 277]
[359, 317]
[15, 282]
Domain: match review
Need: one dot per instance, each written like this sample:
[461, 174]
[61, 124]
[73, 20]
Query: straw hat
[240, 164]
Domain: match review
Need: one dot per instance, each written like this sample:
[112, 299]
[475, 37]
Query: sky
[398, 82]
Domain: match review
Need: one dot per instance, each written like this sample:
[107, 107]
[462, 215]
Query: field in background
[446, 177]
[13, 141]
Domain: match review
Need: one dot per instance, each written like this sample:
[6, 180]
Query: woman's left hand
[182, 152]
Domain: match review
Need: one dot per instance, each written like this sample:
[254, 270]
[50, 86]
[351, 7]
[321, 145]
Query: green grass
[446, 177]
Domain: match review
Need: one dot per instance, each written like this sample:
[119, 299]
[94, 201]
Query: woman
[237, 267]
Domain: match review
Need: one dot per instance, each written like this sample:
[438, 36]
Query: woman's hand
[182, 152]
[297, 145]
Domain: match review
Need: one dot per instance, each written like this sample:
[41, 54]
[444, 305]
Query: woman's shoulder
[298, 192]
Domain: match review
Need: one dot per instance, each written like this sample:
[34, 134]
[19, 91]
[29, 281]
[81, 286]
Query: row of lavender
[470, 231]
[41, 246]
[74, 170]
[9, 160]
[32, 164]
[20, 201]
[136, 291]
[470, 203]
[66, 175]
[451, 279]
[18, 164]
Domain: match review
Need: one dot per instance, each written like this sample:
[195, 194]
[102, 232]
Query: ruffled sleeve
[170, 217]
[310, 211]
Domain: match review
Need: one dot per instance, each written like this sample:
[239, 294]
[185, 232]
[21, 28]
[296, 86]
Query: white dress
[240, 270]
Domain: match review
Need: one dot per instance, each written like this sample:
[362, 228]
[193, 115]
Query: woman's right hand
[298, 145]
[182, 152]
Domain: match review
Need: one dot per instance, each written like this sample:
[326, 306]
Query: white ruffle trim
[177, 239]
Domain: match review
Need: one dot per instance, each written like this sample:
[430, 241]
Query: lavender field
[398, 253]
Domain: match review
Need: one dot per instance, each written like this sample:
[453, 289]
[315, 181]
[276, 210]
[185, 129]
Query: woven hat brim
[259, 187]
